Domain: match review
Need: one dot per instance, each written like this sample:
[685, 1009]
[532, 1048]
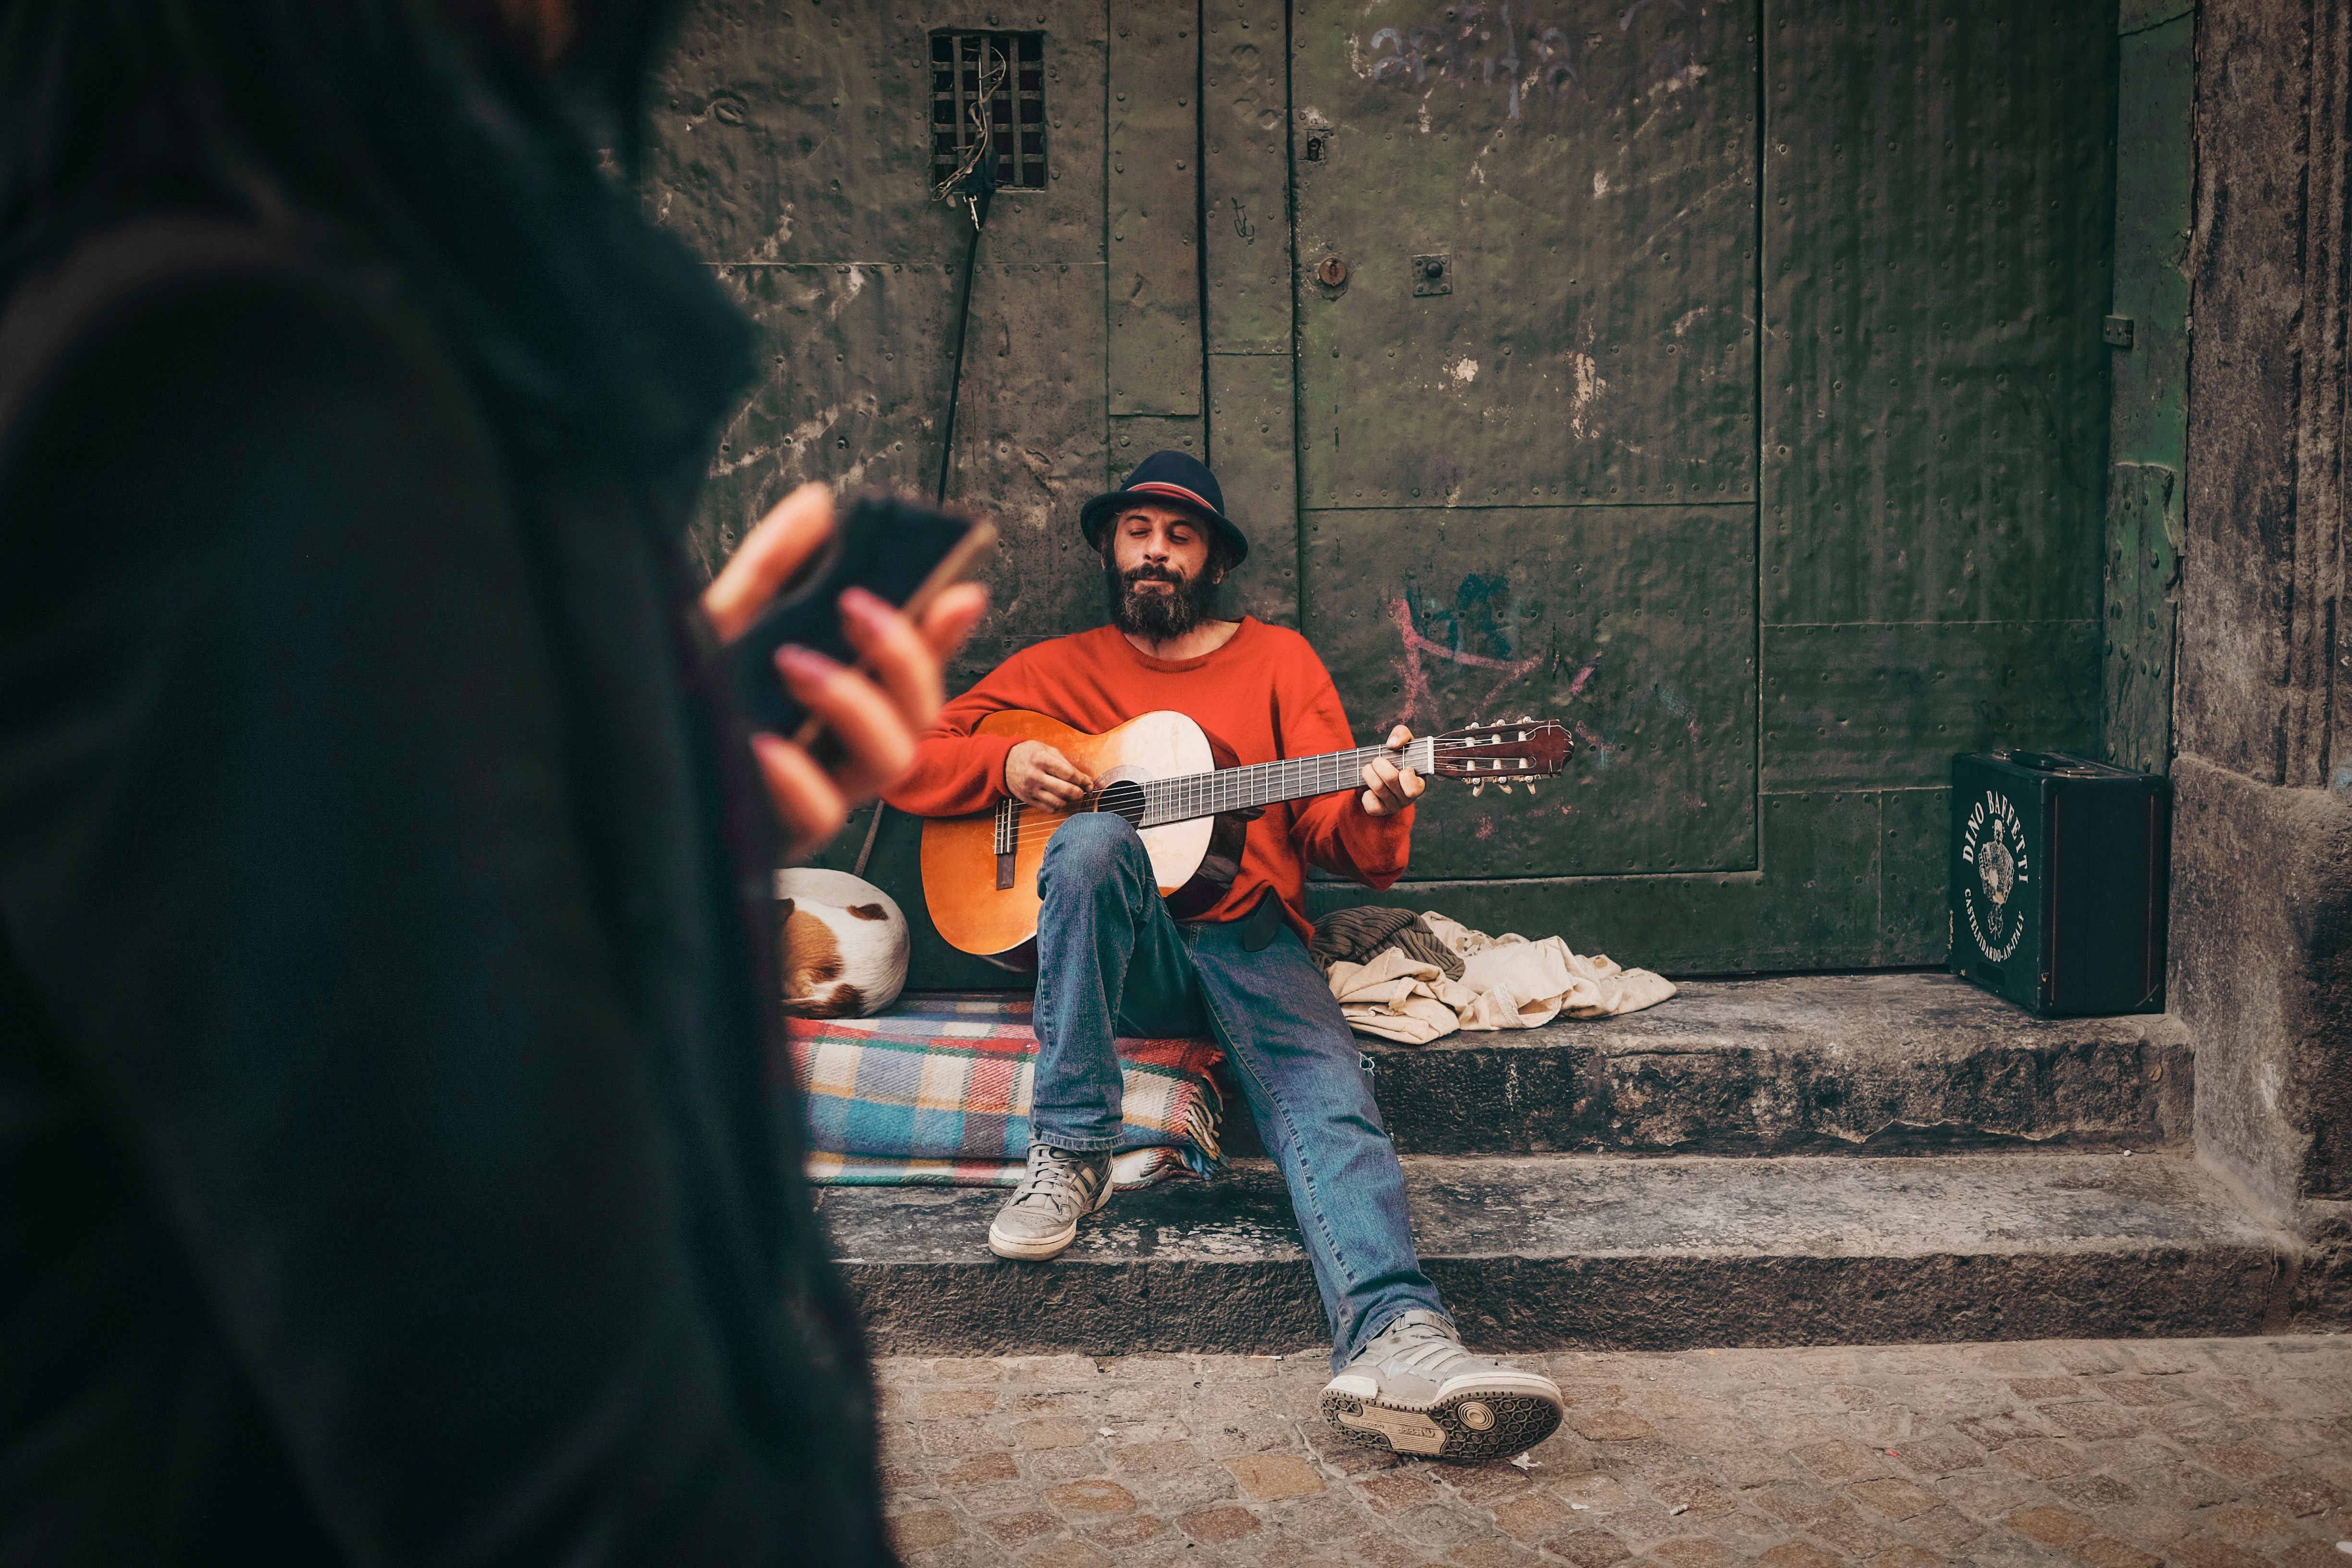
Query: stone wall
[2262, 914]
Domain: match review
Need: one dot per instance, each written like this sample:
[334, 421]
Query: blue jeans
[1111, 961]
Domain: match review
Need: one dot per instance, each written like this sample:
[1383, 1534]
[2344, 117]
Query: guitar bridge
[1008, 840]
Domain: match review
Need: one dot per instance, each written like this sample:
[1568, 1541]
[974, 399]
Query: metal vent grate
[988, 90]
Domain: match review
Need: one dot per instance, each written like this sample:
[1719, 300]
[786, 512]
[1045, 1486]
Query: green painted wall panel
[855, 386]
[1152, 194]
[1815, 904]
[1635, 624]
[1889, 705]
[1252, 446]
[1936, 233]
[1820, 903]
[1135, 437]
[2155, 86]
[796, 426]
[1851, 880]
[2149, 429]
[1244, 81]
[1246, 250]
[1598, 341]
[2139, 16]
[2142, 624]
[1029, 448]
[835, 403]
[1913, 862]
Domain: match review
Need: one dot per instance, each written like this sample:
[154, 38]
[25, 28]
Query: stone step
[1603, 1252]
[1864, 1064]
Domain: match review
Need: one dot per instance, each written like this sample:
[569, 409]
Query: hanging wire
[983, 135]
[975, 183]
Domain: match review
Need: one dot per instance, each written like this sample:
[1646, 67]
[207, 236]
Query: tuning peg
[1479, 789]
[1504, 787]
[1531, 787]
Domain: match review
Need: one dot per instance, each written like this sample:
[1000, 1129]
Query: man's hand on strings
[876, 719]
[1037, 774]
[1388, 788]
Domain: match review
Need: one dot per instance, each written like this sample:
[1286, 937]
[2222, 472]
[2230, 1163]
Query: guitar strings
[1036, 821]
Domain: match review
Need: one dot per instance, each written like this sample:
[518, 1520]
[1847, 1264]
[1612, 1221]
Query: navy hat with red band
[1168, 478]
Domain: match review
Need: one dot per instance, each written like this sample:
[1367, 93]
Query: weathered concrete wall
[2262, 922]
[2263, 902]
[2267, 379]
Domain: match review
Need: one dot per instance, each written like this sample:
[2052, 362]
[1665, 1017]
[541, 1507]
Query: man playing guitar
[1112, 960]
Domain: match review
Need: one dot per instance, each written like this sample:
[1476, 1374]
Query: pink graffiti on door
[1416, 679]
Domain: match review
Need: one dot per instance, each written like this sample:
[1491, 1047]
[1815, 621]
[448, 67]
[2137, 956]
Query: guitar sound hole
[1125, 799]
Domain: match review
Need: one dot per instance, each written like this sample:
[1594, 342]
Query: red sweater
[1263, 693]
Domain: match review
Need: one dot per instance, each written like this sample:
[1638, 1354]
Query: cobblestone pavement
[2115, 1454]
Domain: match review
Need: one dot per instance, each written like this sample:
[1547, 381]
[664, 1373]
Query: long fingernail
[805, 667]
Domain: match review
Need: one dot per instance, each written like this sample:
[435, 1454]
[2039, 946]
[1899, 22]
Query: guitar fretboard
[1197, 795]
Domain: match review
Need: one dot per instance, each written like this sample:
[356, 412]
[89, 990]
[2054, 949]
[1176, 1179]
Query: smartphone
[896, 549]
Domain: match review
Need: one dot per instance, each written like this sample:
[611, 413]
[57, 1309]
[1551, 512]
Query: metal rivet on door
[1332, 272]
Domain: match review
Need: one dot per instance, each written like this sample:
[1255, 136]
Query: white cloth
[1398, 998]
[1508, 982]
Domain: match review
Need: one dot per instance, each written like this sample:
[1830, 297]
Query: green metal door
[1723, 379]
[1529, 413]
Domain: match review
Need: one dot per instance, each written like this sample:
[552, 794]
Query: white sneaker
[1042, 1216]
[1413, 1389]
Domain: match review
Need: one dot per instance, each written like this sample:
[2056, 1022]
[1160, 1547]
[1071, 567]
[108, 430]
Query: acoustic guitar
[1190, 803]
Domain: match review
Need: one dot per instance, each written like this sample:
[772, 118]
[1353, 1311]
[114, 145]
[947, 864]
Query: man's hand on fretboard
[1387, 787]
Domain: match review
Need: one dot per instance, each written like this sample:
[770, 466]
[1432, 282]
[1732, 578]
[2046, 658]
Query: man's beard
[1157, 616]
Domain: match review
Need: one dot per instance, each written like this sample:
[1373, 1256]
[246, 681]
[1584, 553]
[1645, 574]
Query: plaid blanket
[937, 1091]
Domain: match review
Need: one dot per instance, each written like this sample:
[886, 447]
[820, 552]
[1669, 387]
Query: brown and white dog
[844, 944]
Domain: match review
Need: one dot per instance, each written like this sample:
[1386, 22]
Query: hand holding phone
[883, 702]
[901, 553]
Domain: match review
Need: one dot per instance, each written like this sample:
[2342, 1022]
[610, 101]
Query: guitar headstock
[1519, 751]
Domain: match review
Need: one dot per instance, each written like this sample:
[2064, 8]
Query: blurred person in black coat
[386, 963]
